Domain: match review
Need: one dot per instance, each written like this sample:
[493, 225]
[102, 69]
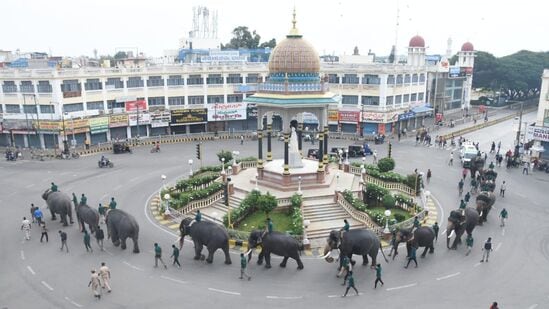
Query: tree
[267, 203]
[386, 164]
[121, 55]
[269, 44]
[225, 154]
[243, 38]
[388, 201]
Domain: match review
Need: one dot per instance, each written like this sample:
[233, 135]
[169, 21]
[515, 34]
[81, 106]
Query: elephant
[360, 241]
[212, 235]
[490, 174]
[488, 185]
[86, 214]
[459, 223]
[59, 203]
[423, 236]
[477, 164]
[485, 200]
[276, 243]
[121, 225]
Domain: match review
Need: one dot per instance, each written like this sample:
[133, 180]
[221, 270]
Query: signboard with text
[538, 134]
[99, 125]
[252, 111]
[227, 111]
[188, 116]
[116, 121]
[144, 118]
[77, 126]
[46, 125]
[333, 117]
[160, 119]
[349, 116]
[134, 106]
[372, 117]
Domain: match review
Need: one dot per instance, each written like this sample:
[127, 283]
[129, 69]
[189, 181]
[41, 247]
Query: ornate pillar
[286, 154]
[269, 135]
[259, 150]
[325, 158]
[299, 132]
[320, 151]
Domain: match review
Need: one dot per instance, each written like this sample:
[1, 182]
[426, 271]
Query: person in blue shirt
[38, 215]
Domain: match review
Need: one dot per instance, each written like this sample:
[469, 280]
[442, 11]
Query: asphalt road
[35, 274]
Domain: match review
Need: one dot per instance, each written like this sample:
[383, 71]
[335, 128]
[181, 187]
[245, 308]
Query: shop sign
[372, 116]
[333, 117]
[348, 116]
[46, 125]
[160, 119]
[134, 106]
[188, 116]
[99, 125]
[251, 110]
[538, 134]
[116, 121]
[77, 126]
[227, 111]
[406, 116]
[144, 118]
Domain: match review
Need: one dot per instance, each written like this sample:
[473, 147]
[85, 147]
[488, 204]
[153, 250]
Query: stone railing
[199, 204]
[395, 186]
[358, 215]
[248, 164]
[283, 202]
[356, 170]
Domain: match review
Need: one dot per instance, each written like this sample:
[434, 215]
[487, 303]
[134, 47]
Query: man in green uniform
[503, 216]
[158, 256]
[460, 186]
[491, 166]
[74, 199]
[469, 243]
[467, 197]
[344, 229]
[269, 225]
[243, 266]
[416, 223]
[198, 216]
[435, 229]
[83, 200]
[53, 187]
[87, 241]
[462, 204]
[112, 204]
[101, 211]
[175, 255]
[350, 284]
[378, 276]
[412, 256]
[345, 267]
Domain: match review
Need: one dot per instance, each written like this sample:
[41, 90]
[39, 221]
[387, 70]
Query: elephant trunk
[249, 254]
[450, 232]
[327, 251]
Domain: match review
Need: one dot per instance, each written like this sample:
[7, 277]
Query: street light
[256, 179]
[337, 181]
[222, 165]
[387, 215]
[299, 192]
[306, 241]
[235, 155]
[163, 177]
[167, 198]
[346, 156]
[190, 168]
[229, 170]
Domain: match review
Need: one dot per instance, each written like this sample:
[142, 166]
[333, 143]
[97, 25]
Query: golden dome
[294, 55]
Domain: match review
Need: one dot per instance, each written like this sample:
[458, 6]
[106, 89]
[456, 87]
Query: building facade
[540, 132]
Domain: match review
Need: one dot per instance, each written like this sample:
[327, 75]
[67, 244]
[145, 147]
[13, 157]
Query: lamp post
[222, 165]
[73, 143]
[235, 156]
[256, 179]
[167, 198]
[190, 168]
[229, 170]
[163, 177]
[387, 215]
[299, 192]
[306, 241]
[346, 156]
[337, 182]
[65, 142]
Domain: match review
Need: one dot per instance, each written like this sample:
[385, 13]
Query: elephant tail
[383, 253]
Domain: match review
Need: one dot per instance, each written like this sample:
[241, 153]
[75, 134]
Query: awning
[422, 109]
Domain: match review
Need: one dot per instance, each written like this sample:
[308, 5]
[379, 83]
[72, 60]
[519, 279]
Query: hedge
[184, 198]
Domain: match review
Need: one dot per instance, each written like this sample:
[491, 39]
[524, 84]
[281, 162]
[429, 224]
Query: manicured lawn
[281, 221]
[393, 211]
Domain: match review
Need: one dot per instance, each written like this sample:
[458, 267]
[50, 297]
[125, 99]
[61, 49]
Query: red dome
[467, 46]
[417, 41]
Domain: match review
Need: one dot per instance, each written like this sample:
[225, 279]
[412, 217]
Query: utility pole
[137, 104]
[37, 128]
[520, 123]
[26, 119]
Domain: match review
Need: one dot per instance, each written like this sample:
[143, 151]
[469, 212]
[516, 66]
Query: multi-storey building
[540, 132]
[42, 107]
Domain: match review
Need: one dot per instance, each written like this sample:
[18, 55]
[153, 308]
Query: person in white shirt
[26, 227]
[502, 189]
[105, 274]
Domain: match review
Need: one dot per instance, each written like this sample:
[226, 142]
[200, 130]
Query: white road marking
[284, 297]
[498, 246]
[174, 280]
[520, 195]
[533, 306]
[503, 232]
[74, 175]
[134, 179]
[44, 283]
[31, 270]
[29, 185]
[332, 296]
[73, 302]
[402, 287]
[117, 188]
[132, 266]
[477, 264]
[110, 253]
[22, 255]
[448, 276]
[224, 292]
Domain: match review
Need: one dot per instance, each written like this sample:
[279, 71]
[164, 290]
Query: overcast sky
[73, 28]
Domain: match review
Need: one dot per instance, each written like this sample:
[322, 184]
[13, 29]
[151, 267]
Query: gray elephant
[276, 243]
[208, 234]
[86, 214]
[477, 164]
[59, 203]
[423, 236]
[120, 226]
[485, 200]
[360, 241]
[459, 223]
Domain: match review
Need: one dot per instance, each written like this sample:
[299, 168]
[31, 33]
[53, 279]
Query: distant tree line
[243, 38]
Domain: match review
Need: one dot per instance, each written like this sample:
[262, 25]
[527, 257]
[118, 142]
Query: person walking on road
[26, 228]
[502, 189]
[412, 256]
[494, 305]
[350, 284]
[243, 267]
[175, 255]
[469, 242]
[101, 211]
[525, 168]
[429, 174]
[112, 204]
[503, 216]
[374, 155]
[32, 210]
[95, 284]
[345, 267]
[467, 197]
[105, 274]
[99, 236]
[451, 161]
[87, 239]
[74, 200]
[460, 187]
[44, 232]
[464, 173]
[436, 229]
[378, 276]
[63, 237]
[158, 256]
[241, 139]
[486, 250]
[38, 215]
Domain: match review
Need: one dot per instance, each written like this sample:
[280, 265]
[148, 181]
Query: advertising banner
[77, 126]
[160, 119]
[407, 115]
[49, 126]
[134, 106]
[99, 125]
[333, 117]
[116, 121]
[453, 72]
[188, 116]
[349, 116]
[372, 117]
[144, 118]
[252, 111]
[538, 134]
[227, 111]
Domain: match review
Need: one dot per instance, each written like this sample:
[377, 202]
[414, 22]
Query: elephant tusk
[248, 252]
[451, 234]
[326, 255]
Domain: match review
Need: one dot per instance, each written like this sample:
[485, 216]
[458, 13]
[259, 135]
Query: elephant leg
[115, 238]
[298, 260]
[365, 259]
[424, 251]
[260, 257]
[53, 217]
[284, 261]
[210, 257]
[197, 250]
[64, 219]
[373, 256]
[431, 249]
[123, 242]
[227, 255]
[135, 245]
[267, 259]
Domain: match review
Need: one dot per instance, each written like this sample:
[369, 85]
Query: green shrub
[399, 217]
[386, 164]
[355, 202]
[388, 201]
[267, 203]
[411, 182]
[246, 159]
[295, 201]
[375, 193]
[185, 198]
[227, 155]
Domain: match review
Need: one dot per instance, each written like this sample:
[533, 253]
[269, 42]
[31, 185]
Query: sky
[74, 28]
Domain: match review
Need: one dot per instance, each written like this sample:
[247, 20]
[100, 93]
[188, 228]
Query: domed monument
[294, 86]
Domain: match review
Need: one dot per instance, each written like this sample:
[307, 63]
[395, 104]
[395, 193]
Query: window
[333, 79]
[155, 81]
[176, 101]
[156, 101]
[407, 78]
[135, 82]
[420, 96]
[422, 77]
[399, 80]
[414, 79]
[398, 99]
[546, 118]
[29, 109]
[370, 79]
[197, 99]
[349, 99]
[391, 80]
[113, 104]
[9, 87]
[406, 98]
[47, 109]
[234, 79]
[457, 94]
[414, 97]
[115, 83]
[350, 79]
[389, 100]
[70, 85]
[215, 99]
[458, 83]
[97, 105]
[195, 80]
[93, 84]
[44, 86]
[1, 109]
[234, 98]
[13, 109]
[175, 80]
[370, 100]
[75, 107]
[252, 78]
[214, 79]
[27, 86]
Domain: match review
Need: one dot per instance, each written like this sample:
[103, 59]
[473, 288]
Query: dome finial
[294, 32]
